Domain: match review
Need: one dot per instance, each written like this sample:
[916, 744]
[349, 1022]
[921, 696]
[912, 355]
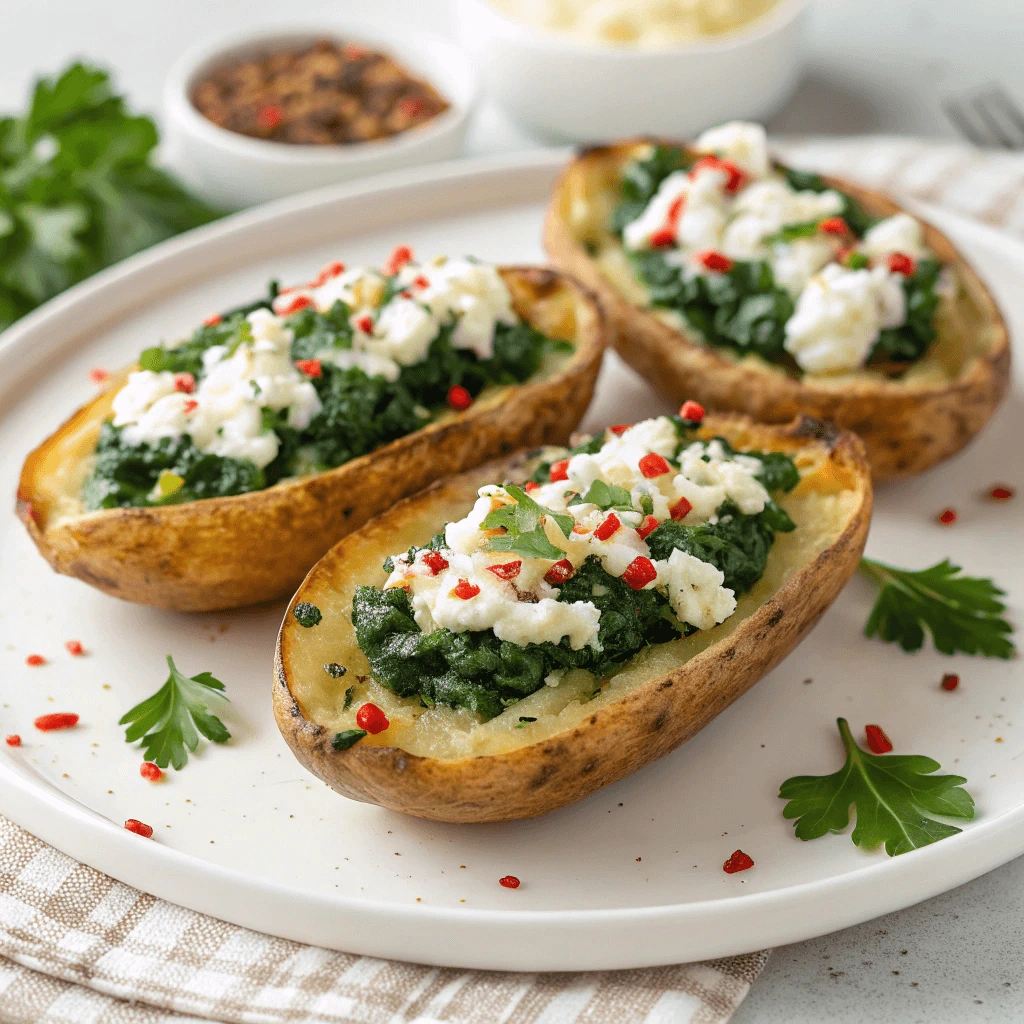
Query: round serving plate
[631, 876]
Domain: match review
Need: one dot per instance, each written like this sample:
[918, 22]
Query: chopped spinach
[642, 178]
[347, 738]
[307, 615]
[856, 217]
[908, 342]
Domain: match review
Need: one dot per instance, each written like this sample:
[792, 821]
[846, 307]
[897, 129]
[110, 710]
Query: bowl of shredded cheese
[585, 70]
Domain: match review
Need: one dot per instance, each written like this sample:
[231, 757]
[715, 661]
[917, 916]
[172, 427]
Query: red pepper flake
[834, 226]
[140, 828]
[400, 255]
[185, 383]
[901, 263]
[152, 772]
[739, 861]
[692, 411]
[354, 52]
[561, 571]
[620, 428]
[653, 465]
[372, 719]
[736, 176]
[559, 470]
[530, 486]
[459, 398]
[435, 562]
[608, 528]
[464, 590]
[98, 375]
[411, 106]
[310, 367]
[35, 660]
[1001, 493]
[681, 509]
[510, 882]
[950, 681]
[506, 570]
[675, 212]
[420, 282]
[190, 406]
[14, 740]
[662, 238]
[299, 302]
[640, 572]
[365, 324]
[647, 527]
[326, 273]
[212, 320]
[878, 742]
[55, 721]
[269, 117]
[74, 648]
[947, 517]
[716, 261]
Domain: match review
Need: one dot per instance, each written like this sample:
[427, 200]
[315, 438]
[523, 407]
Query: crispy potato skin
[619, 738]
[905, 428]
[229, 552]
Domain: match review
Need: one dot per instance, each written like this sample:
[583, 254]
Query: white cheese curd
[403, 332]
[141, 392]
[704, 211]
[708, 476]
[839, 316]
[694, 589]
[637, 234]
[372, 364]
[899, 233]
[795, 263]
[742, 142]
[360, 288]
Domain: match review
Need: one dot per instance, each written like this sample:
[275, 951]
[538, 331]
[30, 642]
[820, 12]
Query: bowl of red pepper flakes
[257, 117]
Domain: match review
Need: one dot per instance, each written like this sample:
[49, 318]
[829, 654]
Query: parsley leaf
[608, 496]
[962, 613]
[521, 522]
[893, 794]
[169, 722]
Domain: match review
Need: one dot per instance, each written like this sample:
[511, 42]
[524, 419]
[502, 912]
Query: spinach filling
[359, 412]
[477, 671]
[745, 309]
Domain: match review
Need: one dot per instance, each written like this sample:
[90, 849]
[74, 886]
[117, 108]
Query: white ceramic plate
[630, 877]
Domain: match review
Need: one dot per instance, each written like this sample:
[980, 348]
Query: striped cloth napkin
[77, 947]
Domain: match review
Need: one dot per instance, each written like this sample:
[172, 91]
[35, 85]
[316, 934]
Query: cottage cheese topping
[745, 144]
[899, 233]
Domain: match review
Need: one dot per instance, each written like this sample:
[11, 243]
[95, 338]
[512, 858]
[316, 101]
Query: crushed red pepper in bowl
[324, 94]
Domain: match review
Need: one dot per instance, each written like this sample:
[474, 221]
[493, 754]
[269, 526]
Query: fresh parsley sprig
[169, 722]
[962, 613]
[524, 534]
[893, 794]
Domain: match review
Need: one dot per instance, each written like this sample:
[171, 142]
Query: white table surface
[873, 66]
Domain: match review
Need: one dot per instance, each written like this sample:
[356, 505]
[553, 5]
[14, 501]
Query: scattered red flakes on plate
[14, 740]
[98, 375]
[878, 742]
[35, 660]
[151, 771]
[74, 648]
[56, 720]
[1001, 493]
[510, 882]
[947, 517]
[739, 861]
[950, 681]
[140, 828]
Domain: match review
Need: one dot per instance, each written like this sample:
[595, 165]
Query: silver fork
[988, 118]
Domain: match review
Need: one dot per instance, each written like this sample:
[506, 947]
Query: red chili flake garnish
[354, 52]
[834, 226]
[878, 742]
[435, 562]
[326, 273]
[947, 517]
[640, 572]
[530, 486]
[950, 681]
[675, 211]
[561, 571]
[140, 828]
[681, 509]
[464, 590]
[736, 179]
[459, 398]
[608, 528]
[716, 261]
[35, 660]
[692, 411]
[411, 106]
[269, 117]
[212, 319]
[739, 861]
[365, 324]
[510, 882]
[420, 282]
[559, 470]
[901, 263]
[662, 238]
[98, 375]
[1001, 493]
[55, 721]
[74, 648]
[653, 465]
[620, 428]
[185, 383]
[506, 570]
[190, 405]
[372, 719]
[299, 302]
[14, 740]
[400, 255]
[647, 527]
[151, 771]
[310, 367]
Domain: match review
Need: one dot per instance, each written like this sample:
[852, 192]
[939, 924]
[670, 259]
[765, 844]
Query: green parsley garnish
[524, 721]
[169, 722]
[348, 738]
[962, 613]
[307, 614]
[893, 794]
[334, 670]
[524, 534]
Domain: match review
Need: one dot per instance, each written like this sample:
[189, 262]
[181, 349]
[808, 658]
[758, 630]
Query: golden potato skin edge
[224, 553]
[904, 433]
[617, 739]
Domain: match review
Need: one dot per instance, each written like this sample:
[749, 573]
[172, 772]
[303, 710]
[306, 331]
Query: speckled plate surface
[630, 877]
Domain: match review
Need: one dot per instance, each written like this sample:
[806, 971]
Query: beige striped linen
[77, 947]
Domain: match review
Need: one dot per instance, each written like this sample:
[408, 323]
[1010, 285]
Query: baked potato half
[561, 743]
[228, 552]
[908, 420]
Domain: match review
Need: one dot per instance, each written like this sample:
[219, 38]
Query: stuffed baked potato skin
[223, 553]
[906, 427]
[614, 740]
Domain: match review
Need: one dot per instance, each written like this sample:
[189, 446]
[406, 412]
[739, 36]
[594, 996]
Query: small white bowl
[232, 170]
[582, 92]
